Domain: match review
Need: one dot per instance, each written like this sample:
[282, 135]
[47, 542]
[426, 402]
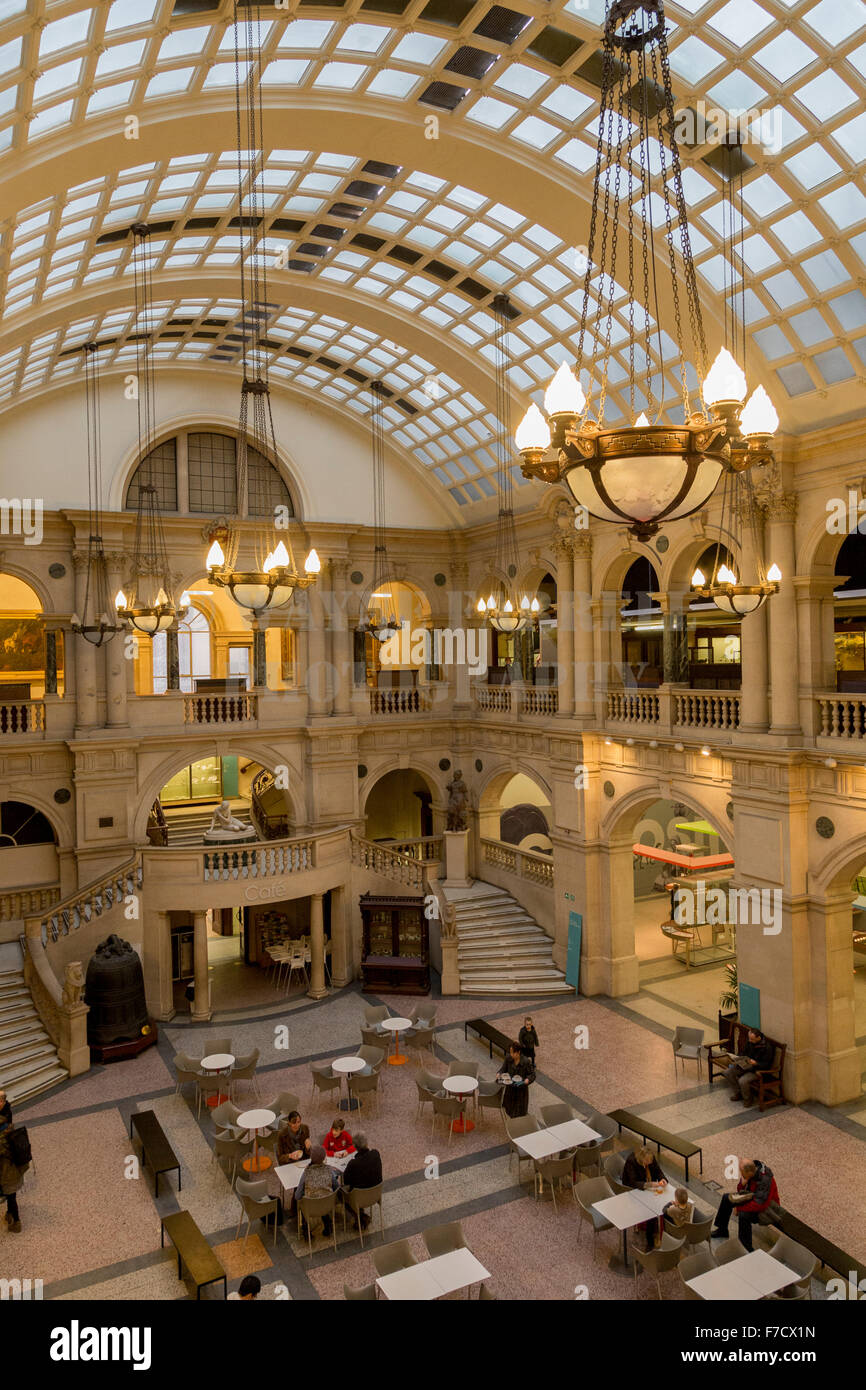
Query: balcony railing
[22, 717]
[841, 716]
[396, 702]
[22, 902]
[220, 709]
[676, 711]
[388, 861]
[502, 699]
[260, 861]
[88, 903]
[538, 868]
[426, 847]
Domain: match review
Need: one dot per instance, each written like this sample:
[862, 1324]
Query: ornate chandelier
[655, 469]
[503, 609]
[148, 607]
[97, 623]
[382, 622]
[272, 577]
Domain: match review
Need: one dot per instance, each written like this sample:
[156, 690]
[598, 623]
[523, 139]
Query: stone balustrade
[400, 702]
[672, 710]
[241, 708]
[22, 717]
[528, 864]
[25, 901]
[841, 716]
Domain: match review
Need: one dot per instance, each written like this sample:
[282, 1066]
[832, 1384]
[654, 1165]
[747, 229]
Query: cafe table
[396, 1026]
[632, 1208]
[346, 1066]
[458, 1269]
[461, 1086]
[217, 1062]
[257, 1121]
[749, 1278]
[289, 1174]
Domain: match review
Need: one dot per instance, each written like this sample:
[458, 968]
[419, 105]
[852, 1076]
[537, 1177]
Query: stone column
[318, 696]
[584, 696]
[341, 638]
[565, 671]
[342, 970]
[754, 680]
[86, 709]
[201, 1010]
[459, 616]
[317, 988]
[172, 660]
[50, 662]
[115, 653]
[260, 660]
[782, 609]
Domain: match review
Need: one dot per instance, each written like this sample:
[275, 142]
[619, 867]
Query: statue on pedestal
[225, 826]
[458, 802]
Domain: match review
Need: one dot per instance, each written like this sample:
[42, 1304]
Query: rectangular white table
[630, 1208]
[431, 1279]
[749, 1278]
[289, 1174]
[541, 1143]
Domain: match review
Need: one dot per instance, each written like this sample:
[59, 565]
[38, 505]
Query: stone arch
[434, 785]
[173, 762]
[630, 808]
[489, 792]
[33, 581]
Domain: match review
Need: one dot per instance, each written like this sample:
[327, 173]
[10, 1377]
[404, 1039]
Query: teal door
[572, 960]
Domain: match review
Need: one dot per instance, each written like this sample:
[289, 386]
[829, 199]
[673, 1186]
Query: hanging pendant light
[270, 578]
[724, 392]
[381, 623]
[506, 610]
[148, 607]
[97, 623]
[654, 470]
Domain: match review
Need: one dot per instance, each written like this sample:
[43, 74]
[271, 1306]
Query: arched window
[193, 649]
[209, 484]
[21, 824]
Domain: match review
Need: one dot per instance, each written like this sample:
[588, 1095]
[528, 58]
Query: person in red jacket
[338, 1140]
[756, 1192]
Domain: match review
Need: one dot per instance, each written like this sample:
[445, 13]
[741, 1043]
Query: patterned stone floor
[91, 1223]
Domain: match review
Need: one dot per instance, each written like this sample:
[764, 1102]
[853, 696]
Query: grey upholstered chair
[687, 1044]
[658, 1262]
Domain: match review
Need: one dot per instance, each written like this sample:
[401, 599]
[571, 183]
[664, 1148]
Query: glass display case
[395, 954]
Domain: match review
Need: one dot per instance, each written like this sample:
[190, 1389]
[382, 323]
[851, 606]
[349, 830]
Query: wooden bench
[830, 1255]
[156, 1151]
[662, 1138]
[193, 1251]
[492, 1036]
[769, 1082]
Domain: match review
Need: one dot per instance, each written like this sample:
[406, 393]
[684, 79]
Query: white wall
[43, 449]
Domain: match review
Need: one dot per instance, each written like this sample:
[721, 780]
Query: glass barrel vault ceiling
[434, 252]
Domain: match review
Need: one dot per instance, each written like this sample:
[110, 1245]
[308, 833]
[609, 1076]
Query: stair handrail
[78, 908]
[403, 868]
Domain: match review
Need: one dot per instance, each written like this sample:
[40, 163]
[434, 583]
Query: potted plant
[729, 1001]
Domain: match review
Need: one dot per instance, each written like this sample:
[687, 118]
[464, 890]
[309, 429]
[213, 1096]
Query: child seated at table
[681, 1210]
[338, 1141]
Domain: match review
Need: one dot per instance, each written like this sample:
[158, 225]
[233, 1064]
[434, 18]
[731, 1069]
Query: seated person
[338, 1141]
[294, 1141]
[641, 1169]
[756, 1192]
[248, 1290]
[741, 1074]
[681, 1211]
[521, 1073]
[364, 1170]
[316, 1180]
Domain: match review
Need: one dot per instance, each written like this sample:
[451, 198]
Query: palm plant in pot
[729, 1000]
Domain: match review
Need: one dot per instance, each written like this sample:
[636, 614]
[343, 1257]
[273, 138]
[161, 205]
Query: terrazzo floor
[91, 1222]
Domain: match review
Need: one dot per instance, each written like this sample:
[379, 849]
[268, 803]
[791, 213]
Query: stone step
[13, 990]
[495, 919]
[9, 977]
[24, 1067]
[530, 947]
[13, 1058]
[11, 1010]
[35, 1081]
[22, 1031]
[517, 988]
[527, 972]
[500, 928]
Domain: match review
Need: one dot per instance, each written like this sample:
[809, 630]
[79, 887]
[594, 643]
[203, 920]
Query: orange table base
[397, 1060]
[214, 1101]
[256, 1164]
[463, 1125]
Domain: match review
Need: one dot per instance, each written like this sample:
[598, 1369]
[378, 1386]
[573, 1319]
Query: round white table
[256, 1121]
[461, 1086]
[396, 1026]
[217, 1062]
[346, 1066]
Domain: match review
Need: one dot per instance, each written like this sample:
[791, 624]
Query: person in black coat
[641, 1169]
[520, 1072]
[741, 1074]
[528, 1038]
[5, 1112]
[364, 1170]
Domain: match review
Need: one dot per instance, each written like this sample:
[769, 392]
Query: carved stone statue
[458, 802]
[73, 985]
[449, 920]
[225, 826]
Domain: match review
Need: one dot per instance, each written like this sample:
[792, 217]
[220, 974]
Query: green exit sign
[569, 897]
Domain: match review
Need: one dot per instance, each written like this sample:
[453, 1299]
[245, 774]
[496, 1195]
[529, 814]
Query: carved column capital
[782, 506]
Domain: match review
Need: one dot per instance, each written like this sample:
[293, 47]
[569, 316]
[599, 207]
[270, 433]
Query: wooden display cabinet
[396, 949]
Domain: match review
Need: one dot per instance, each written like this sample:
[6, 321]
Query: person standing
[11, 1178]
[5, 1112]
[756, 1193]
[528, 1038]
[517, 1075]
